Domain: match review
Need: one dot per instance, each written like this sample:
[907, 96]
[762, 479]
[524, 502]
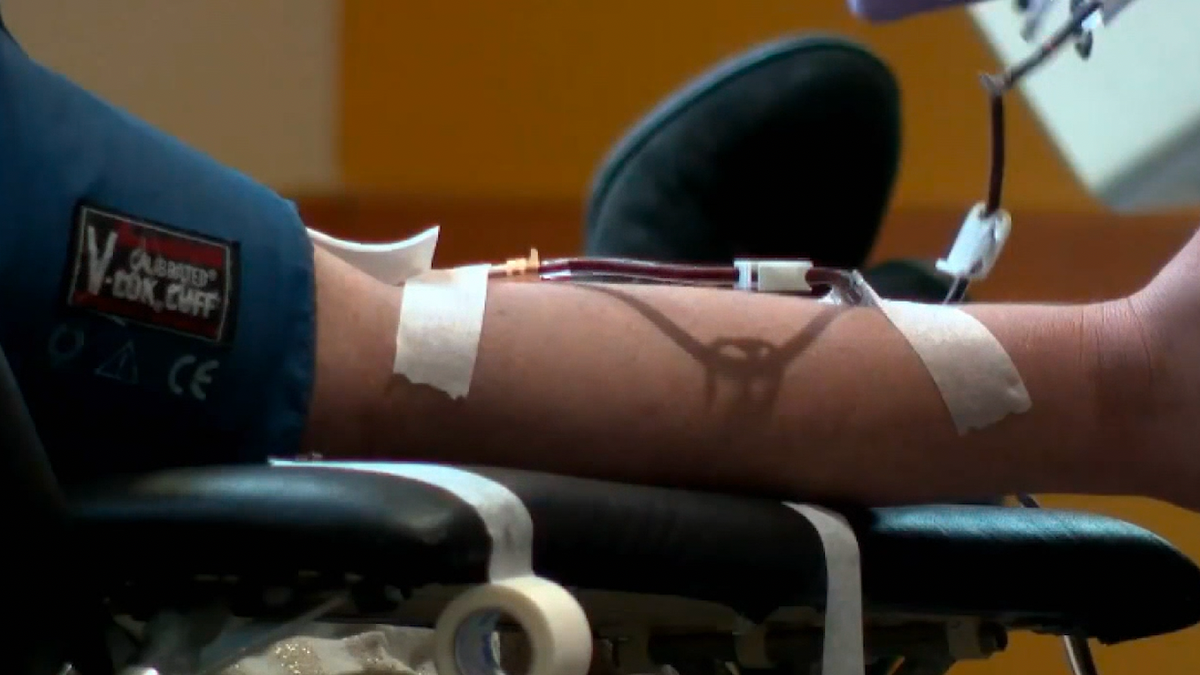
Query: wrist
[1122, 354]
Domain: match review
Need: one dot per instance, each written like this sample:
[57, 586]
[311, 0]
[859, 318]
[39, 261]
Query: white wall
[1128, 119]
[252, 82]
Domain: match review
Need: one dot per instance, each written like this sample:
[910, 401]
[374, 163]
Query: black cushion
[789, 150]
[1051, 570]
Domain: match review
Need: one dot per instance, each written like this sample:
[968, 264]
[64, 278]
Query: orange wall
[514, 102]
[521, 98]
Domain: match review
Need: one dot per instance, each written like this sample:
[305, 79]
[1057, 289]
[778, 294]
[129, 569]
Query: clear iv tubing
[845, 284]
[821, 279]
[1078, 651]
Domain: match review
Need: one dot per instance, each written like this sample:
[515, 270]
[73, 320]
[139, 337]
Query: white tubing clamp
[979, 243]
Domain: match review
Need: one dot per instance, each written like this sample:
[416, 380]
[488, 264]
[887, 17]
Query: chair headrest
[790, 149]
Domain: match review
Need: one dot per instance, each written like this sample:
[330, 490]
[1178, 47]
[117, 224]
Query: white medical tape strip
[389, 262]
[555, 625]
[843, 651]
[504, 515]
[976, 377]
[441, 322]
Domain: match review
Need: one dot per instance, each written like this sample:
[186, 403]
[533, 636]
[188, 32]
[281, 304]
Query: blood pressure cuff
[157, 307]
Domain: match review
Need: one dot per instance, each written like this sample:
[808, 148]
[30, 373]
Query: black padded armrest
[1047, 569]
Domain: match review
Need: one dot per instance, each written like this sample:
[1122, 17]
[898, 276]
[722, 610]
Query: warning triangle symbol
[121, 366]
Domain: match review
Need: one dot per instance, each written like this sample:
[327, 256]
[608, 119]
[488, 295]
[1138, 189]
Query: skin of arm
[723, 390]
[735, 392]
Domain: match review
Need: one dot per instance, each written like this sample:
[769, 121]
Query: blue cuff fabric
[157, 307]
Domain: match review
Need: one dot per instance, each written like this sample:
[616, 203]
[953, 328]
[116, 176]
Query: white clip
[979, 243]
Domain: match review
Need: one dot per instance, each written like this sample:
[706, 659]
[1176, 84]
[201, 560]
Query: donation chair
[187, 570]
[789, 150]
[184, 571]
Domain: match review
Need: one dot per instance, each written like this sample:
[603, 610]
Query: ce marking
[197, 374]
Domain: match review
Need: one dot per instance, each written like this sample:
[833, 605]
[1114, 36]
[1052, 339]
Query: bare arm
[716, 389]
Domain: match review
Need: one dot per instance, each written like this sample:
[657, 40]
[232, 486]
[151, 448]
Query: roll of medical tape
[554, 623]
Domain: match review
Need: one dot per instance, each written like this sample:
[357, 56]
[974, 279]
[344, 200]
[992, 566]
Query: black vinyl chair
[36, 542]
[199, 566]
[186, 570]
[56, 616]
[180, 559]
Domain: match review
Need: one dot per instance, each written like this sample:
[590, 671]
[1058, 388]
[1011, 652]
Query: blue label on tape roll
[476, 648]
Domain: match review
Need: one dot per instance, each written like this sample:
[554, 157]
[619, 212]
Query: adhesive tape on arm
[441, 323]
[974, 374]
[555, 625]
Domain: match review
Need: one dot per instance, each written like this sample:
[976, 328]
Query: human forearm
[627, 383]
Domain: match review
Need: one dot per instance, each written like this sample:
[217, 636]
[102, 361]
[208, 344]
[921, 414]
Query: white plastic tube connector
[773, 276]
